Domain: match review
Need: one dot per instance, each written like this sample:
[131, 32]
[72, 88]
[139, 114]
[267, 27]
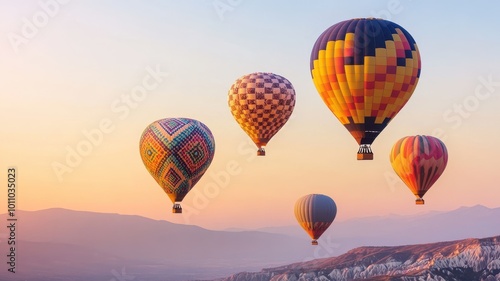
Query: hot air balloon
[365, 70]
[315, 213]
[177, 152]
[261, 103]
[419, 161]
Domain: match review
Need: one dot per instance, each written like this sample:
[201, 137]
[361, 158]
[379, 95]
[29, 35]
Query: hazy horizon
[331, 231]
[89, 76]
[60, 244]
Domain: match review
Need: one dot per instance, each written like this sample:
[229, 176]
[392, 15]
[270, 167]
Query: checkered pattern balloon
[365, 70]
[261, 103]
[177, 152]
[419, 161]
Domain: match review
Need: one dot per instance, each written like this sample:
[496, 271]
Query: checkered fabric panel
[177, 152]
[261, 103]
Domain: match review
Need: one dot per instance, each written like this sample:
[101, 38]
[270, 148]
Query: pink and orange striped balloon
[419, 161]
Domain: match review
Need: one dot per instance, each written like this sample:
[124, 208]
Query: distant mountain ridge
[394, 230]
[463, 260]
[61, 244]
[152, 249]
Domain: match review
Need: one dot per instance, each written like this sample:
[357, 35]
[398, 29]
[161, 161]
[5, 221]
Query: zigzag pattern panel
[177, 152]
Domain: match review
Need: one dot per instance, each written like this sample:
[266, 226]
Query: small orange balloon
[315, 213]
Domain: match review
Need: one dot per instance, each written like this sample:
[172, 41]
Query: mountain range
[61, 244]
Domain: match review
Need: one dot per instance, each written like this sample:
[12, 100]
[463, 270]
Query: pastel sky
[71, 79]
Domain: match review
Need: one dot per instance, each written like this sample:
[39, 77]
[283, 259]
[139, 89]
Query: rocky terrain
[470, 259]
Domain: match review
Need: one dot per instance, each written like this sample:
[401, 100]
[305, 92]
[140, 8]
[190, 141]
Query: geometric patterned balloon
[177, 152]
[365, 70]
[315, 213]
[261, 103]
[419, 161]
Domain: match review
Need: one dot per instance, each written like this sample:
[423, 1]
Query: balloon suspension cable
[177, 209]
[365, 152]
[314, 242]
[261, 152]
[419, 201]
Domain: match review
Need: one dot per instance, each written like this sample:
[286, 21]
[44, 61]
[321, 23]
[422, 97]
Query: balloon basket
[177, 209]
[314, 242]
[419, 201]
[365, 156]
[261, 152]
[365, 152]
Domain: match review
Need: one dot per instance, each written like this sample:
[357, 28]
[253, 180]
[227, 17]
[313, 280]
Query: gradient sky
[71, 68]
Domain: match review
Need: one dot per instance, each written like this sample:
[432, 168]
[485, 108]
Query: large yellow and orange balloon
[261, 103]
[315, 213]
[365, 70]
[419, 161]
[177, 152]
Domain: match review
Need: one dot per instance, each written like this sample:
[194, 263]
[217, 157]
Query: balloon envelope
[261, 103]
[177, 152]
[365, 70]
[419, 161]
[315, 213]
